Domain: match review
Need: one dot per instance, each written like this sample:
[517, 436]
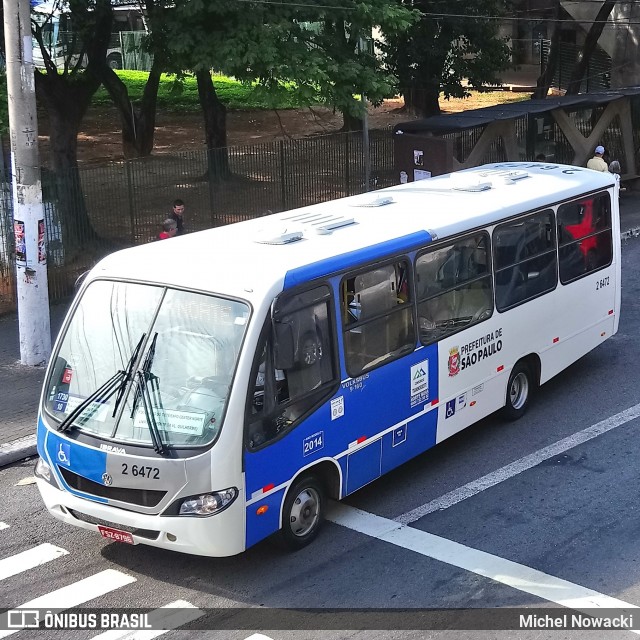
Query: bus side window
[377, 317]
[584, 237]
[454, 287]
[281, 396]
[529, 268]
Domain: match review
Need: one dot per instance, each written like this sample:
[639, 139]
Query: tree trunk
[138, 123]
[422, 101]
[66, 97]
[215, 125]
[351, 122]
[545, 79]
[66, 105]
[589, 47]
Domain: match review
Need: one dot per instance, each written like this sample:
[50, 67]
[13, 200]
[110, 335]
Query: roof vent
[379, 201]
[469, 182]
[328, 227]
[286, 237]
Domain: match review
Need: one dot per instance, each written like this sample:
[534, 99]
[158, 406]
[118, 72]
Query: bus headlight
[208, 503]
[42, 470]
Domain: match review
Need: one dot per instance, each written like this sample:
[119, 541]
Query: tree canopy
[453, 47]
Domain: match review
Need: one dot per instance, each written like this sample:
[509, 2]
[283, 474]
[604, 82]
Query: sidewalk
[22, 384]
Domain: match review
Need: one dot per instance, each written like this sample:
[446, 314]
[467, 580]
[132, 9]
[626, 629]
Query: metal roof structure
[451, 122]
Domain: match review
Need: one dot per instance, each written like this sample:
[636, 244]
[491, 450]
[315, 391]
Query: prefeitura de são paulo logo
[454, 362]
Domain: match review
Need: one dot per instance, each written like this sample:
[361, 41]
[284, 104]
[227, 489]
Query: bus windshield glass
[146, 365]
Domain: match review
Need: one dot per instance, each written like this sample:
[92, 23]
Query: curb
[17, 450]
[630, 233]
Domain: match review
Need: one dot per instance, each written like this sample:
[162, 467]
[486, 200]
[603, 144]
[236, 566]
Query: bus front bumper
[218, 535]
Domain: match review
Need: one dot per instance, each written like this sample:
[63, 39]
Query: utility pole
[28, 211]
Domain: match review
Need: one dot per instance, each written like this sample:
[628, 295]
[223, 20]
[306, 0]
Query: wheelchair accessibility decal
[64, 454]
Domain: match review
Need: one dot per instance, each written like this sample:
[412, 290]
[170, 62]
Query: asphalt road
[554, 522]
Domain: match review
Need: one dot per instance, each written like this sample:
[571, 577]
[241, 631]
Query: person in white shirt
[597, 163]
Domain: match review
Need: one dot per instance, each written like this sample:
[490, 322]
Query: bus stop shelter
[565, 129]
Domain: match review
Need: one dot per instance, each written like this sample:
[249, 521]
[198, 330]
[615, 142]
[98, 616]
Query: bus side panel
[260, 525]
[364, 466]
[409, 440]
[583, 316]
[351, 422]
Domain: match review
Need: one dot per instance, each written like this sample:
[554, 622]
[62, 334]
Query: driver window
[454, 287]
[281, 396]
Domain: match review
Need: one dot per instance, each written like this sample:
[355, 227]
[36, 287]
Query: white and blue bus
[207, 392]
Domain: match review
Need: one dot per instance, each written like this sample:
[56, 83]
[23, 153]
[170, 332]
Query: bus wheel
[303, 513]
[519, 390]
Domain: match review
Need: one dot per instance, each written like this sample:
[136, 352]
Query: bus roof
[256, 258]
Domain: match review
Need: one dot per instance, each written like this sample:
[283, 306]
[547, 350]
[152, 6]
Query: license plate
[116, 534]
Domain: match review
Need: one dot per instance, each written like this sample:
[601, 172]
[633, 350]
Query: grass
[182, 95]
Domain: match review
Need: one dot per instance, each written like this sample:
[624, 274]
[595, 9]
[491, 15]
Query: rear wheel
[519, 391]
[303, 513]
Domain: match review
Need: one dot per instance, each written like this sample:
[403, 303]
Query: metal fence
[125, 203]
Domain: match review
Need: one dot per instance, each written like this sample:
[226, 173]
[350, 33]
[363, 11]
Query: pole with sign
[28, 211]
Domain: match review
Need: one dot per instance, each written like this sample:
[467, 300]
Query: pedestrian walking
[177, 214]
[169, 229]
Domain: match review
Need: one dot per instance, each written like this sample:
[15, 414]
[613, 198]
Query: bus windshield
[146, 365]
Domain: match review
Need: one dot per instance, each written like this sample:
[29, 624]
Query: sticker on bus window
[67, 374]
[66, 403]
[419, 382]
[187, 422]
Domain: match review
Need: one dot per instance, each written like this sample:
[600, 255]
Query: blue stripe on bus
[85, 461]
[353, 258]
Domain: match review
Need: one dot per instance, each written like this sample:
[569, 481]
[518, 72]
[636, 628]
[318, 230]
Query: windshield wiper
[117, 382]
[148, 376]
[128, 374]
[100, 395]
[147, 405]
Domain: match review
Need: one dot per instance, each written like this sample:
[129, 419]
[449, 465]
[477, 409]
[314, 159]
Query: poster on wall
[42, 249]
[418, 157]
[421, 174]
[21, 243]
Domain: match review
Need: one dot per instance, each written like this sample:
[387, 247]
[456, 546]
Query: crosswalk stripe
[29, 559]
[73, 595]
[3, 525]
[182, 613]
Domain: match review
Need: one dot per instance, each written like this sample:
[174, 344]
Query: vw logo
[107, 479]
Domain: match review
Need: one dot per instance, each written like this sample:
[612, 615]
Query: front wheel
[519, 391]
[303, 513]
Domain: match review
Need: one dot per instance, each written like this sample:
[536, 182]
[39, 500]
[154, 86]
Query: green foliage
[440, 51]
[316, 47]
[180, 93]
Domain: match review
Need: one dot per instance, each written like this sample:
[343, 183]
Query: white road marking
[29, 559]
[177, 613]
[3, 525]
[513, 469]
[258, 636]
[74, 594]
[504, 571]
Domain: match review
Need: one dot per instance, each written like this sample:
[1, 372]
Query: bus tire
[303, 513]
[519, 391]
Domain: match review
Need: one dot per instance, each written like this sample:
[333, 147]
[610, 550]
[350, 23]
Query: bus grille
[142, 533]
[141, 497]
